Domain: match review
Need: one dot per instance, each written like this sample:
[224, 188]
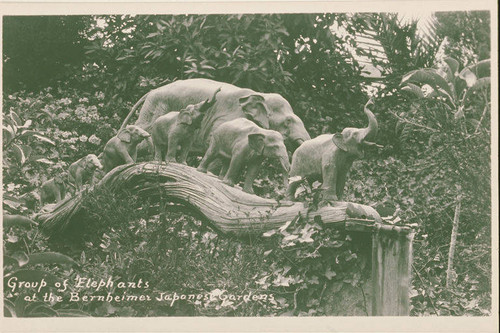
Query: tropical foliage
[432, 100]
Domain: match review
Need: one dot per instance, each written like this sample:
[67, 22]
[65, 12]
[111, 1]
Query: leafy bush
[287, 270]
[59, 127]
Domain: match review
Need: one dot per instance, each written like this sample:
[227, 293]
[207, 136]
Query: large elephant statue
[268, 110]
[328, 157]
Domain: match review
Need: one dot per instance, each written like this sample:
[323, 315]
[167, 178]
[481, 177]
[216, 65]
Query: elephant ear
[255, 109]
[125, 135]
[185, 117]
[256, 142]
[338, 139]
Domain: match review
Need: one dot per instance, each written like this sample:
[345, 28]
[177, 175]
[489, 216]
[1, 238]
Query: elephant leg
[78, 182]
[172, 150]
[159, 152]
[329, 172]
[145, 148]
[215, 167]
[210, 155]
[223, 170]
[185, 151]
[341, 179]
[63, 192]
[234, 170]
[58, 196]
[252, 171]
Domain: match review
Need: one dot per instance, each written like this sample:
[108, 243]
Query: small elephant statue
[82, 171]
[328, 158]
[240, 142]
[54, 189]
[173, 133]
[122, 148]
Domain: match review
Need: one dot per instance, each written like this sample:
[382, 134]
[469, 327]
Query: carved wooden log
[228, 209]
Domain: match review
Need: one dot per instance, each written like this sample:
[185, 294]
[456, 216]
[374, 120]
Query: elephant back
[179, 94]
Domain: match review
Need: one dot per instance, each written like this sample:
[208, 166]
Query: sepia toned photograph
[311, 164]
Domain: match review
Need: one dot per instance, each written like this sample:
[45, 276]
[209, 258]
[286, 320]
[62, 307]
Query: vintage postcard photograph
[301, 165]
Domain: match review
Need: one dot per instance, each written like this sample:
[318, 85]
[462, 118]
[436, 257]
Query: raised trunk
[209, 103]
[370, 132]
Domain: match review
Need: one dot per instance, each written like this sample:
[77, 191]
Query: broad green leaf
[26, 150]
[15, 203]
[290, 238]
[50, 258]
[478, 85]
[15, 118]
[432, 78]
[481, 83]
[37, 135]
[34, 307]
[269, 233]
[42, 311]
[45, 139]
[72, 313]
[18, 153]
[27, 133]
[34, 275]
[10, 261]
[26, 124]
[468, 76]
[329, 274]
[12, 238]
[44, 161]
[10, 128]
[9, 309]
[17, 220]
[8, 134]
[481, 69]
[460, 113]
[413, 89]
[453, 64]
[21, 257]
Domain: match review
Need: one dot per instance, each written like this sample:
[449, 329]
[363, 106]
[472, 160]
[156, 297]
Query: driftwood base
[226, 208]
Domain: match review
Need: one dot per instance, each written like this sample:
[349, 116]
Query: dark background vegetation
[76, 78]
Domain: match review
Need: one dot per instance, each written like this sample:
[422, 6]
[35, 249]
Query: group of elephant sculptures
[232, 128]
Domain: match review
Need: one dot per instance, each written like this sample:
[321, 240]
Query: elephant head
[283, 120]
[194, 113]
[354, 140]
[92, 162]
[270, 145]
[272, 111]
[132, 134]
[255, 109]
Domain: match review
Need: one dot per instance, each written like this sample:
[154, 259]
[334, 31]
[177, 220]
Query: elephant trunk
[285, 164]
[298, 142]
[370, 132]
[209, 102]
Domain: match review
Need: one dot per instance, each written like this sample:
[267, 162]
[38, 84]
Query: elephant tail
[134, 108]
